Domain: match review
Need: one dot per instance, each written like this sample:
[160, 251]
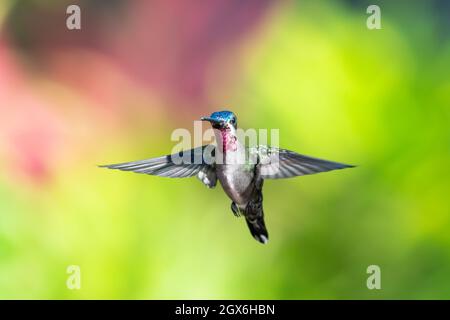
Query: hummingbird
[240, 169]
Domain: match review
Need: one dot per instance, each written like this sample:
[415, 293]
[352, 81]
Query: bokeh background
[116, 90]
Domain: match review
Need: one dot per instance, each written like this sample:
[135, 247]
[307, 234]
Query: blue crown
[223, 115]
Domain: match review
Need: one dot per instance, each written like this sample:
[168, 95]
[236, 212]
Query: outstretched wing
[184, 164]
[277, 163]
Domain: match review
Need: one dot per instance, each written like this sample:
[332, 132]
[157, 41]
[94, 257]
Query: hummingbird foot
[235, 210]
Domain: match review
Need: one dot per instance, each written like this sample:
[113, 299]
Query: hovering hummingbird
[241, 170]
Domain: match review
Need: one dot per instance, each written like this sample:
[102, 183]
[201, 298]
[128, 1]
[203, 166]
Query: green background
[375, 98]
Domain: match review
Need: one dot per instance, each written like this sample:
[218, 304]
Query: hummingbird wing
[277, 163]
[184, 164]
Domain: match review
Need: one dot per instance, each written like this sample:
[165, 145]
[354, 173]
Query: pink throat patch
[228, 140]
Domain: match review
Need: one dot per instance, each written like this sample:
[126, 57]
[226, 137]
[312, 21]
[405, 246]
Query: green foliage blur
[378, 99]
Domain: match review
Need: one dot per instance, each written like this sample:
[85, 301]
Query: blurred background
[116, 89]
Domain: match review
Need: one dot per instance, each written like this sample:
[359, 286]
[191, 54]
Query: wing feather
[183, 164]
[277, 163]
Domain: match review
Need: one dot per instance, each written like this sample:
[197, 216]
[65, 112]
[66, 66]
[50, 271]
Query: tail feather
[258, 229]
[254, 216]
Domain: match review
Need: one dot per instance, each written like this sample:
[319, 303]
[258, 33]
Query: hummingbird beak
[213, 121]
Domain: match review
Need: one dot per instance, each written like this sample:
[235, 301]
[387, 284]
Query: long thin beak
[210, 119]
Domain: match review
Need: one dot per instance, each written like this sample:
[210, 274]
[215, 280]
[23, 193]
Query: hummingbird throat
[228, 140]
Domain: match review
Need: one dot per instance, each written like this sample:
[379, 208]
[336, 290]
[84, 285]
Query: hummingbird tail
[254, 215]
[258, 229]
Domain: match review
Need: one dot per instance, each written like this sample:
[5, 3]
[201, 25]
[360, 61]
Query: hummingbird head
[222, 120]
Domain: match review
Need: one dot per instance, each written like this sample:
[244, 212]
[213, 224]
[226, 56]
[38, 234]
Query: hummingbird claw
[235, 210]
